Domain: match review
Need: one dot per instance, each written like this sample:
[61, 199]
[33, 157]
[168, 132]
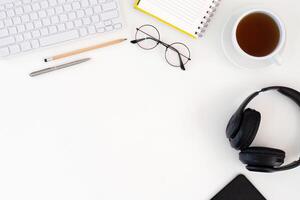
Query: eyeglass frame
[168, 46]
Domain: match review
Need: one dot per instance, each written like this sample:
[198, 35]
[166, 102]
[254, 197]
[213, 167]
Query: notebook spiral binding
[207, 18]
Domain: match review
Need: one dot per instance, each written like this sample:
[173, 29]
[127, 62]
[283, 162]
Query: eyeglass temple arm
[137, 41]
[179, 54]
[180, 60]
[142, 39]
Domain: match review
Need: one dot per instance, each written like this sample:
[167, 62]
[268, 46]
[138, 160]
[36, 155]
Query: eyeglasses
[176, 54]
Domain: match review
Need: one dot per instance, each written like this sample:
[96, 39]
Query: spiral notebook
[188, 16]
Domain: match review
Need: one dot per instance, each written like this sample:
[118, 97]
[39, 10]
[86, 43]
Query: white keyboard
[32, 24]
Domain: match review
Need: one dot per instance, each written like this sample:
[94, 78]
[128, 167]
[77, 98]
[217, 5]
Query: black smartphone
[239, 188]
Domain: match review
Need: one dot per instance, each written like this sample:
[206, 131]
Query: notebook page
[185, 14]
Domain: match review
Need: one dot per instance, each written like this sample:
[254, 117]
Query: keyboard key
[93, 2]
[9, 5]
[35, 16]
[78, 23]
[2, 15]
[18, 3]
[97, 9]
[63, 18]
[85, 3]
[53, 39]
[91, 29]
[76, 5]
[10, 13]
[62, 27]
[67, 7]
[19, 38]
[37, 24]
[21, 28]
[44, 31]
[36, 34]
[46, 22]
[7, 41]
[95, 18]
[51, 11]
[14, 49]
[118, 26]
[52, 3]
[83, 32]
[80, 13]
[44, 4]
[100, 30]
[100, 25]
[8, 22]
[52, 29]
[27, 36]
[29, 26]
[26, 1]
[54, 20]
[42, 14]
[59, 10]
[36, 6]
[72, 15]
[109, 28]
[12, 30]
[70, 25]
[107, 23]
[109, 15]
[25, 46]
[109, 6]
[3, 33]
[86, 21]
[17, 20]
[4, 51]
[35, 44]
[89, 11]
[25, 18]
[27, 8]
[19, 11]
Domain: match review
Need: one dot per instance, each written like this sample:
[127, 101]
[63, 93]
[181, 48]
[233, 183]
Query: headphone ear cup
[262, 157]
[260, 169]
[233, 125]
[247, 130]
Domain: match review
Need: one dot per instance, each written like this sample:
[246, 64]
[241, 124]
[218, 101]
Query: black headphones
[242, 129]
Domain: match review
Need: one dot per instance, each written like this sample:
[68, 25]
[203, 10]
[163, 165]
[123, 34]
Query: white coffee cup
[273, 57]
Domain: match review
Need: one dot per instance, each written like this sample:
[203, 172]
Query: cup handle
[278, 60]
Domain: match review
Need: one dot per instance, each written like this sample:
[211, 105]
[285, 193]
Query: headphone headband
[286, 91]
[292, 165]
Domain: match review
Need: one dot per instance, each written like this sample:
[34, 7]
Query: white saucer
[230, 52]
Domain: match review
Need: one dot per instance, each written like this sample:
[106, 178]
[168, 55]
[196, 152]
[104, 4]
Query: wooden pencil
[90, 48]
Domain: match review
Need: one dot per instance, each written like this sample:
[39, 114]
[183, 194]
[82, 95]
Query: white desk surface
[126, 125]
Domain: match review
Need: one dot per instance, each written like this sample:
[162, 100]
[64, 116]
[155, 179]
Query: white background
[126, 125]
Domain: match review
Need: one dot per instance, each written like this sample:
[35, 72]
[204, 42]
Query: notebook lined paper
[186, 15]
